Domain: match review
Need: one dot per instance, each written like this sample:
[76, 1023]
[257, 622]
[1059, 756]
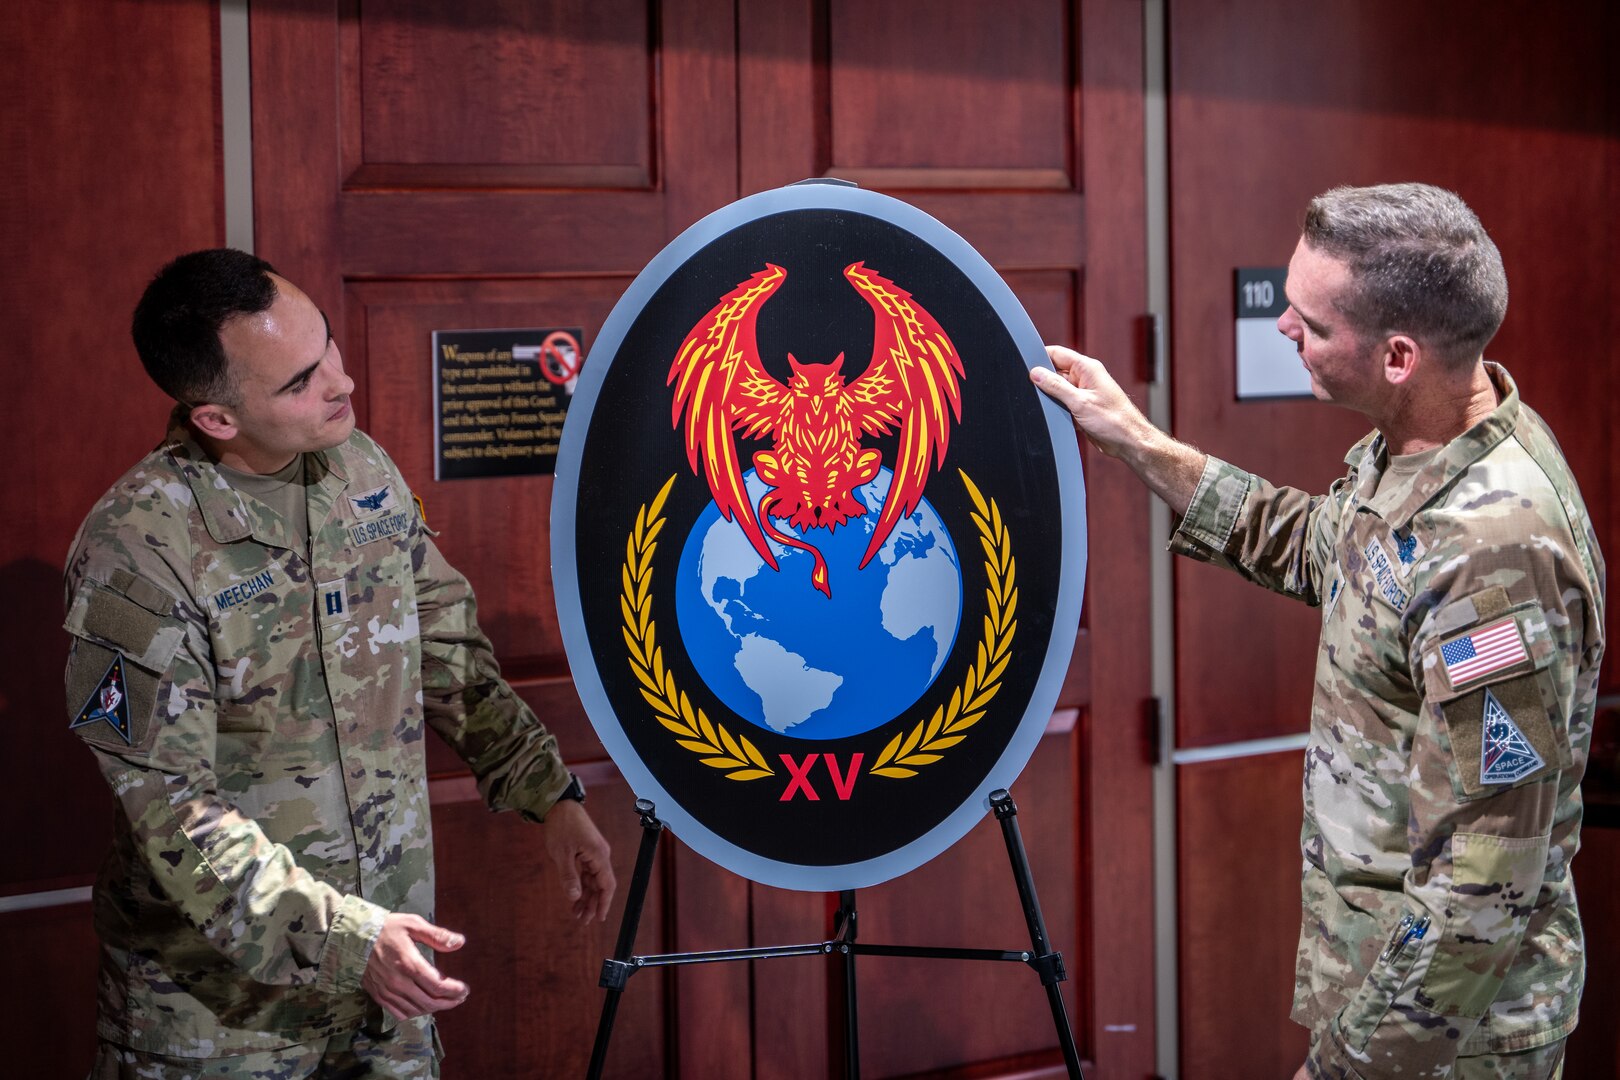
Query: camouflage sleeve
[512, 755]
[1497, 657]
[143, 699]
[1272, 536]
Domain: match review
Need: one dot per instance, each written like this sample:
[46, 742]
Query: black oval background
[1002, 443]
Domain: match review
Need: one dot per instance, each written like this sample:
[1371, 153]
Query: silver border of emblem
[564, 556]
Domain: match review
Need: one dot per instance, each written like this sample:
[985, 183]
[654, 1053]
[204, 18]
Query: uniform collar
[227, 513]
[1397, 503]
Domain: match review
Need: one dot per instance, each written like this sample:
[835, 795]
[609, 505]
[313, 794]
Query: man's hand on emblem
[583, 859]
[400, 980]
[1111, 422]
[1101, 409]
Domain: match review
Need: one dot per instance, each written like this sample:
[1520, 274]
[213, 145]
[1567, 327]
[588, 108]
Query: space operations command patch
[1505, 754]
[818, 543]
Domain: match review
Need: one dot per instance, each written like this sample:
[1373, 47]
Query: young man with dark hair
[1462, 596]
[262, 631]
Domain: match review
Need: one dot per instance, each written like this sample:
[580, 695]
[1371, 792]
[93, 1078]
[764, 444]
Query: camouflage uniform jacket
[1456, 680]
[259, 714]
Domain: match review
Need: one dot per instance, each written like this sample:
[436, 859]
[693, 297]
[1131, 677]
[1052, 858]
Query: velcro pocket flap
[1480, 640]
[138, 627]
[125, 642]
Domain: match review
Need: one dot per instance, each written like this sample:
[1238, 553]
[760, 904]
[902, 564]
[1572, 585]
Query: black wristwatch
[575, 790]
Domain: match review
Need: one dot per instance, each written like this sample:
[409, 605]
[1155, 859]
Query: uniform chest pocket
[372, 608]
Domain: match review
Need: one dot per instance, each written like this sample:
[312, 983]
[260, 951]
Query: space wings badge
[818, 544]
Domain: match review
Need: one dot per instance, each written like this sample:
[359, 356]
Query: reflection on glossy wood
[1594, 1048]
[902, 73]
[451, 97]
[1238, 898]
[531, 968]
[97, 200]
[1239, 93]
[50, 1006]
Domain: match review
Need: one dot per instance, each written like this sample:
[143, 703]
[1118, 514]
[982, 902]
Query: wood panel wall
[1270, 103]
[96, 197]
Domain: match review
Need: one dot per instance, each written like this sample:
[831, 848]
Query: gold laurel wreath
[716, 746]
[926, 742]
[741, 760]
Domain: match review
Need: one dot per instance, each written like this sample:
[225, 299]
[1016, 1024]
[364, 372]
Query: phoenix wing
[720, 385]
[913, 382]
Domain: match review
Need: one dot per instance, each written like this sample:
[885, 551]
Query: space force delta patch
[108, 703]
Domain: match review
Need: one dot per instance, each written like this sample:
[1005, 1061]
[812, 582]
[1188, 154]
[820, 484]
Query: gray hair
[1420, 264]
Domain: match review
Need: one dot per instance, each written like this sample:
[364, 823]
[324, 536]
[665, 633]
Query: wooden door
[419, 166]
[1272, 102]
[1020, 128]
[424, 166]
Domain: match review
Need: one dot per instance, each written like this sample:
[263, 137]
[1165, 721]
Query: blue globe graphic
[784, 657]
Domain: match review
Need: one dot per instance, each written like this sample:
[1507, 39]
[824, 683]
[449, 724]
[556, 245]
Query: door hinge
[1151, 346]
[1153, 730]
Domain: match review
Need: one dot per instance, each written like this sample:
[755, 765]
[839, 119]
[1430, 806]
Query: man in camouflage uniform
[263, 629]
[1461, 590]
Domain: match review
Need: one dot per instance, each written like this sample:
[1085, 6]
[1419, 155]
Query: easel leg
[1049, 964]
[844, 933]
[616, 972]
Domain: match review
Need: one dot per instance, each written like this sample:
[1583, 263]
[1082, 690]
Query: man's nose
[342, 386]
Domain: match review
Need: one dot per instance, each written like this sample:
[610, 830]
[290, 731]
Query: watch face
[818, 542]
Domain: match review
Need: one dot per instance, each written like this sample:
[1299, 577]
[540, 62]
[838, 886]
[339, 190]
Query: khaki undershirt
[283, 492]
[1403, 467]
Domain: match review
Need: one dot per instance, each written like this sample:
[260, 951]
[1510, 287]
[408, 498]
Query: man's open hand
[400, 980]
[583, 859]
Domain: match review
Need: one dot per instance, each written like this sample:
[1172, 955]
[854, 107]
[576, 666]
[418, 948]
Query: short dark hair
[176, 324]
[1420, 263]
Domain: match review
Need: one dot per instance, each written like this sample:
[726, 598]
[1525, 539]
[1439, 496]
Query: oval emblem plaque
[818, 544]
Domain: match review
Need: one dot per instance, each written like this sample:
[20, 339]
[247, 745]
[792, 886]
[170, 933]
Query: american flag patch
[1490, 648]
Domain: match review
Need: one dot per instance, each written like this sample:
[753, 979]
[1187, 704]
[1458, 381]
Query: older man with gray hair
[1462, 593]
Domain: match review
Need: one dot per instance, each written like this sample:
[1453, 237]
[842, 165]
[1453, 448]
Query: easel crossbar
[1041, 957]
[772, 952]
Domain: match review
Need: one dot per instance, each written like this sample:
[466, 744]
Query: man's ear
[1401, 356]
[214, 420]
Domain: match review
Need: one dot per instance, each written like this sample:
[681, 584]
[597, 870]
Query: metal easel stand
[1039, 957]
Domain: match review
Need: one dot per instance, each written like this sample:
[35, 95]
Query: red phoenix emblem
[817, 419]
